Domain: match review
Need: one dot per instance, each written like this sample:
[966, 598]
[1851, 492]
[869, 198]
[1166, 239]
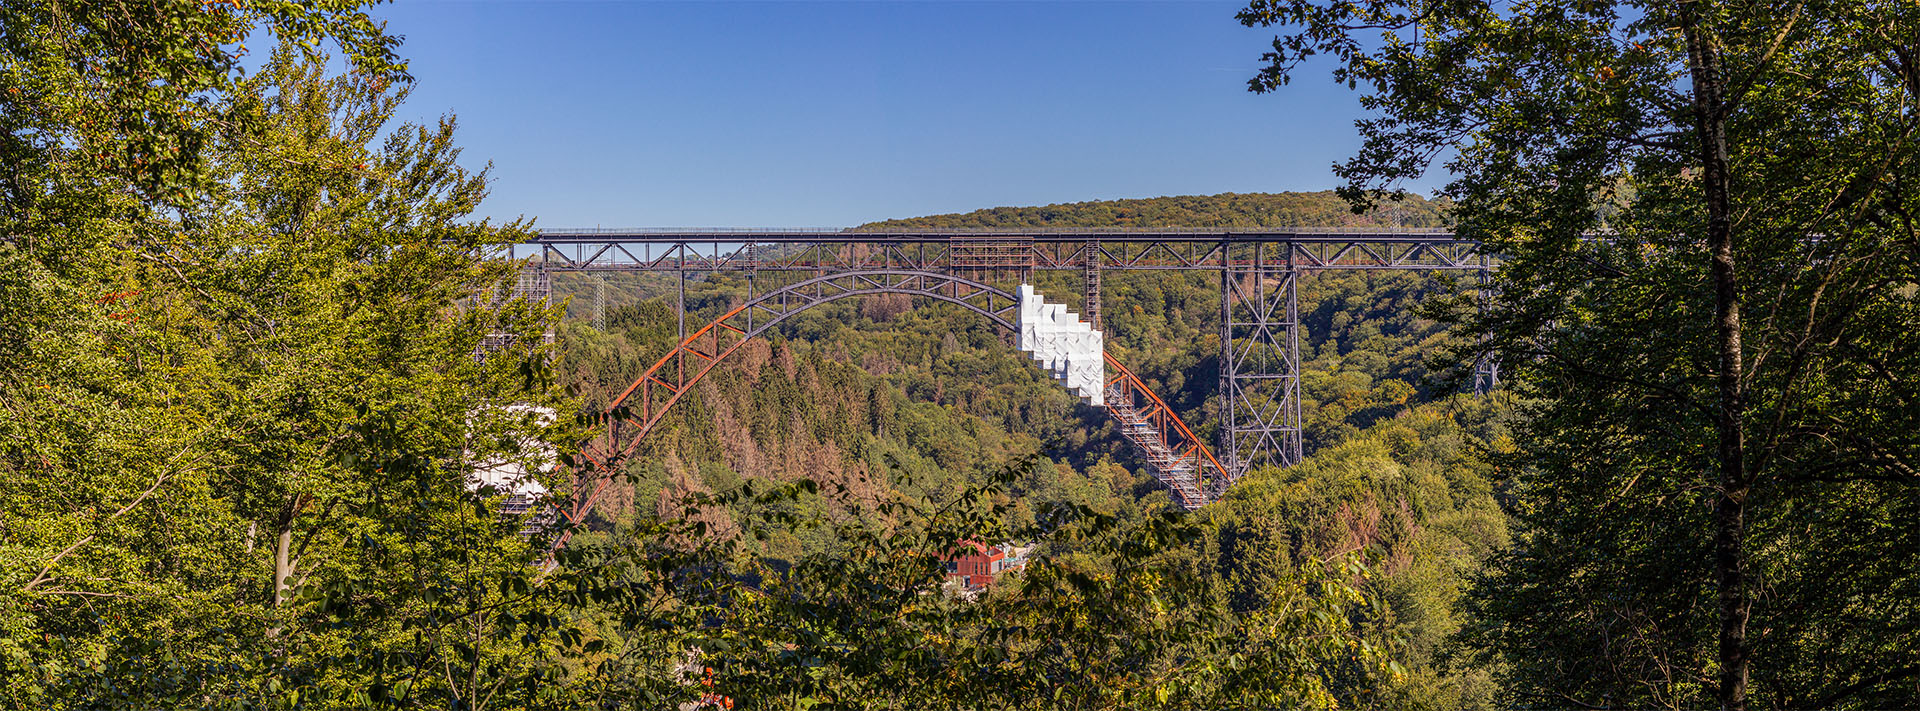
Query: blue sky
[830, 114]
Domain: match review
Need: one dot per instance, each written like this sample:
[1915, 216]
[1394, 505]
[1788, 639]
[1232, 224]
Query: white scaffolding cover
[1072, 351]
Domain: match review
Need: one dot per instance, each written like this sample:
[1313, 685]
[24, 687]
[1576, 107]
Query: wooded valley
[256, 344]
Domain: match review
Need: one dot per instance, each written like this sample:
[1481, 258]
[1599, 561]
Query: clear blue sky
[830, 114]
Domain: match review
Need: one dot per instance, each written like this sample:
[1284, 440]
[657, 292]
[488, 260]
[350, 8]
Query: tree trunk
[283, 563]
[1729, 556]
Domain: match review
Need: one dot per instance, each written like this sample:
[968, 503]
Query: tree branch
[46, 572]
[1869, 682]
[1733, 100]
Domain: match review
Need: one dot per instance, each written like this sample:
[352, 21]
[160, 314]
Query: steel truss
[978, 251]
[642, 405]
[1259, 381]
[1486, 370]
[1176, 457]
[1259, 359]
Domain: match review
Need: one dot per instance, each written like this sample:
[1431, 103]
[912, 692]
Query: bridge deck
[914, 236]
[940, 250]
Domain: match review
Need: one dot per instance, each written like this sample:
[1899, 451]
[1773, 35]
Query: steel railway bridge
[789, 271]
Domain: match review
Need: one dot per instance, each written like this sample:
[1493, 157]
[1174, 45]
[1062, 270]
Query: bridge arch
[1179, 459]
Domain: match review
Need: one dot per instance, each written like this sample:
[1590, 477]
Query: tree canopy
[244, 394]
[1704, 212]
[254, 347]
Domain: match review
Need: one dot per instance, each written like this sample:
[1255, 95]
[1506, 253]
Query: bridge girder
[940, 251]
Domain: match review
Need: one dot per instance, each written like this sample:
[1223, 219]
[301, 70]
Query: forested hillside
[853, 367]
[886, 399]
[1321, 209]
[278, 432]
[258, 371]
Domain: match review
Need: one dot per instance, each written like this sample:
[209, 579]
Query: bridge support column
[536, 284]
[1259, 357]
[1091, 256]
[600, 301]
[1486, 370]
[532, 283]
[680, 297]
[752, 262]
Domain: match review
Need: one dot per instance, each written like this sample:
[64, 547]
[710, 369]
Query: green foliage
[95, 96]
[1229, 210]
[1123, 622]
[1412, 492]
[1717, 420]
[893, 404]
[239, 478]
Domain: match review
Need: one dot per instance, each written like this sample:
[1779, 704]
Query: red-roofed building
[976, 565]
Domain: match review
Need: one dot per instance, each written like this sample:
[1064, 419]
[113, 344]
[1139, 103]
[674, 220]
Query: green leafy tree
[114, 96]
[1720, 381]
[1124, 615]
[255, 491]
[1412, 495]
[106, 110]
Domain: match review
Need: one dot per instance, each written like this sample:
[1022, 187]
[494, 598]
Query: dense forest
[886, 400]
[1229, 211]
[256, 347]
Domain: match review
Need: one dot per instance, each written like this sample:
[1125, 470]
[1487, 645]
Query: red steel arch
[635, 412]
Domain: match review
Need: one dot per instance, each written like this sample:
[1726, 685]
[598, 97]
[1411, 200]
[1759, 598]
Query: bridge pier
[1486, 370]
[1259, 357]
[1091, 256]
[751, 261]
[600, 301]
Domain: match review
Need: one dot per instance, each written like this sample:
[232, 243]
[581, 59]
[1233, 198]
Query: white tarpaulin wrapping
[1072, 351]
